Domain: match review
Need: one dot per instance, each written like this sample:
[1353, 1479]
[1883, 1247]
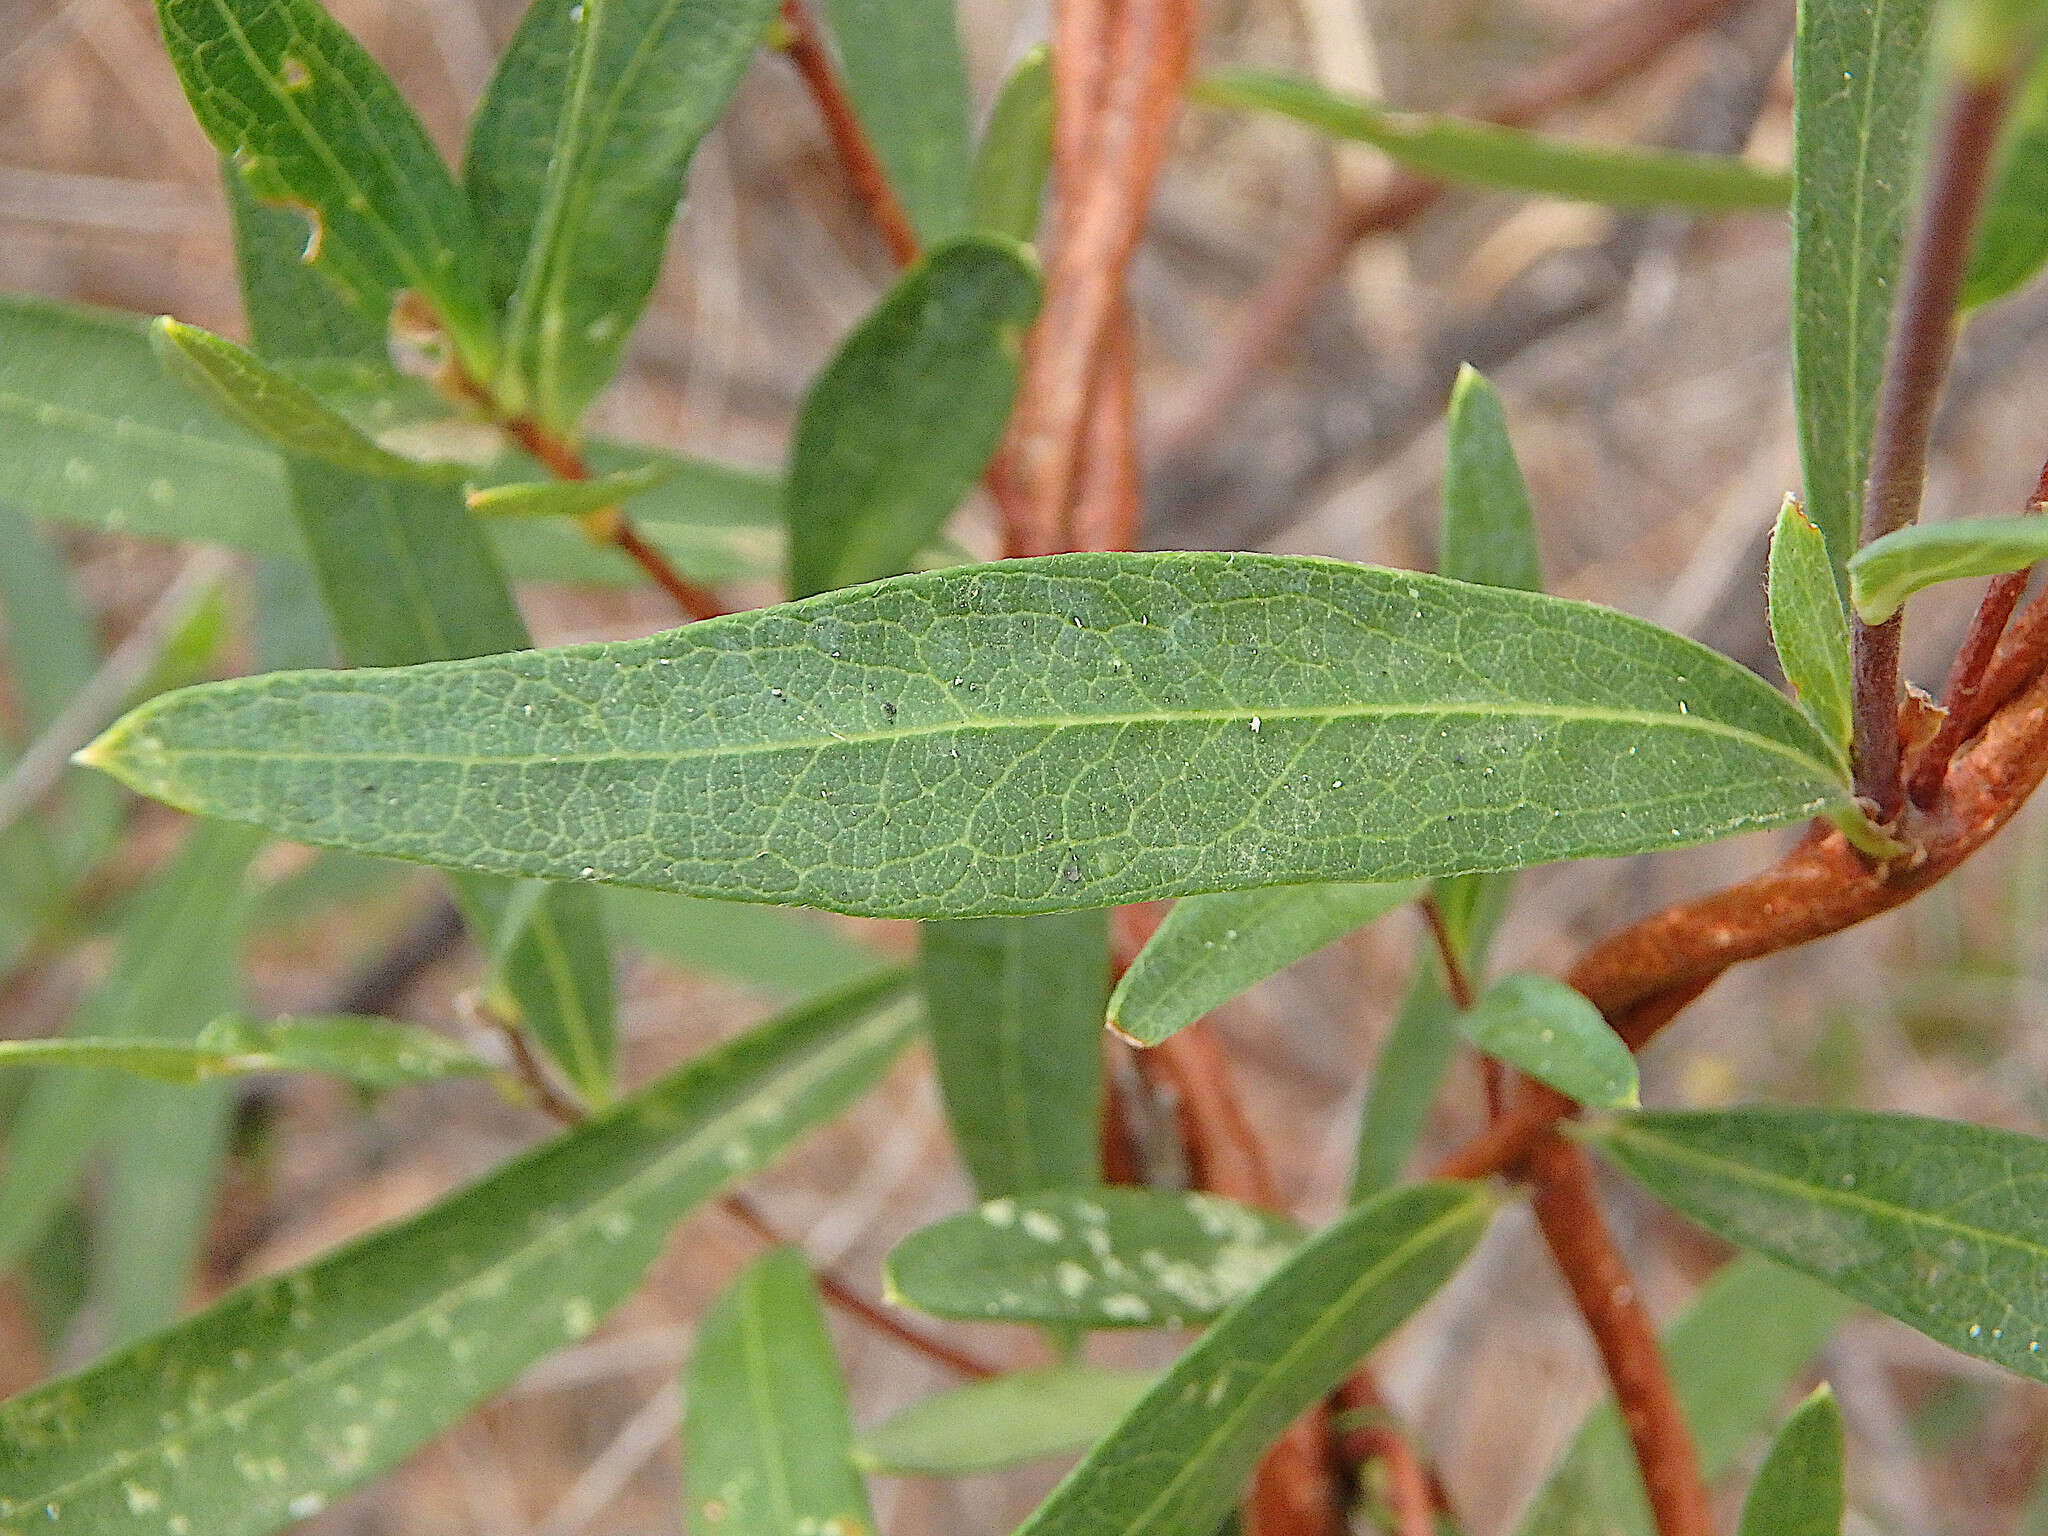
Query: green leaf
[1463, 149]
[1210, 948]
[1544, 1028]
[575, 167]
[168, 1146]
[1933, 1222]
[766, 1438]
[795, 954]
[1858, 73]
[1489, 531]
[1733, 1355]
[322, 1377]
[1808, 625]
[1071, 732]
[1178, 1461]
[2012, 230]
[1097, 1258]
[896, 429]
[568, 498]
[273, 405]
[901, 65]
[1798, 1489]
[310, 123]
[988, 1425]
[374, 1053]
[1884, 573]
[1015, 156]
[1014, 1005]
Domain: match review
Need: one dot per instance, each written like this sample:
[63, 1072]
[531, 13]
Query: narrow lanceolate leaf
[1210, 948]
[988, 1425]
[1933, 1222]
[374, 1053]
[1733, 1355]
[322, 1377]
[790, 953]
[1808, 625]
[1462, 149]
[767, 1442]
[575, 167]
[1489, 530]
[1858, 68]
[1098, 1258]
[1011, 166]
[901, 62]
[1544, 1028]
[274, 406]
[899, 425]
[569, 498]
[2012, 231]
[1014, 1005]
[1798, 1490]
[1884, 573]
[312, 124]
[1179, 1459]
[1068, 732]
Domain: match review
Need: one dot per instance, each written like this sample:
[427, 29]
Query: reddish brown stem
[1457, 980]
[533, 1076]
[1568, 1211]
[1107, 501]
[807, 51]
[1413, 1494]
[1916, 365]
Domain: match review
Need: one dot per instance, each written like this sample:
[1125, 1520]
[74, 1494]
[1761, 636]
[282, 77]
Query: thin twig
[1413, 1494]
[1108, 499]
[1568, 1211]
[527, 1067]
[1916, 364]
[1457, 980]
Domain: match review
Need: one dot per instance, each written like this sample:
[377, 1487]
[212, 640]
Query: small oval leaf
[1542, 1027]
[1807, 623]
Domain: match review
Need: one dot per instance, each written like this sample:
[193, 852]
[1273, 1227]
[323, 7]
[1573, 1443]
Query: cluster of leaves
[1293, 746]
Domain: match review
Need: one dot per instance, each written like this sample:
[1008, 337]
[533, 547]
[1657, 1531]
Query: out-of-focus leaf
[1096, 1258]
[1464, 149]
[1733, 1356]
[375, 1053]
[2012, 232]
[987, 1425]
[1544, 1028]
[767, 1442]
[568, 498]
[1210, 948]
[901, 422]
[1808, 625]
[1180, 1457]
[1798, 1489]
[324, 1376]
[1887, 571]
[1015, 156]
[901, 64]
[575, 166]
[792, 953]
[1933, 1222]
[1406, 726]
[1014, 1005]
[1489, 528]
[1858, 82]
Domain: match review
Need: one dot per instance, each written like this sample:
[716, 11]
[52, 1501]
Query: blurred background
[1644, 360]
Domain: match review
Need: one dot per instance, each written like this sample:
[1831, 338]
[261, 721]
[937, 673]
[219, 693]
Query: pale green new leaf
[1178, 1461]
[1014, 1005]
[1798, 1489]
[2012, 230]
[767, 1441]
[1858, 81]
[1884, 573]
[898, 426]
[1210, 948]
[1095, 1258]
[1050, 734]
[1015, 156]
[274, 405]
[575, 166]
[1489, 529]
[1733, 1355]
[1808, 625]
[901, 64]
[373, 1053]
[1934, 1222]
[324, 1376]
[569, 498]
[1544, 1028]
[1464, 149]
[311, 123]
[988, 1425]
